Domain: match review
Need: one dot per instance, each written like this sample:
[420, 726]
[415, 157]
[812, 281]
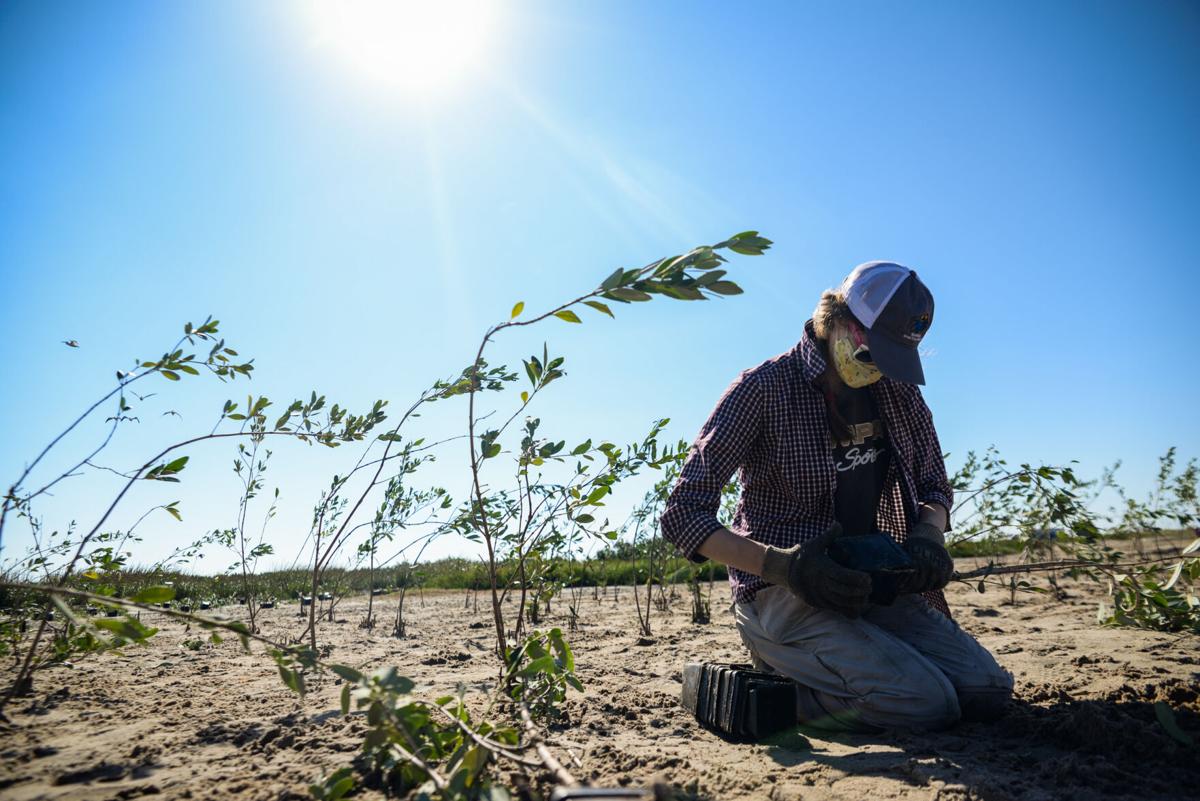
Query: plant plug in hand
[809, 572]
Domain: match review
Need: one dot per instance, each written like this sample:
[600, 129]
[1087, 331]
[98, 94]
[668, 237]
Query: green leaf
[292, 679]
[176, 465]
[340, 788]
[532, 369]
[170, 374]
[627, 294]
[393, 681]
[597, 494]
[155, 595]
[584, 518]
[690, 293]
[565, 657]
[746, 250]
[517, 309]
[128, 628]
[709, 278]
[66, 611]
[374, 739]
[543, 664]
[600, 307]
[1175, 574]
[613, 280]
[347, 673]
[242, 631]
[568, 315]
[345, 699]
[748, 243]
[668, 266]
[725, 288]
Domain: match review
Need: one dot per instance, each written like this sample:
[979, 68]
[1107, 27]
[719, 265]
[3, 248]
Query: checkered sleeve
[690, 515]
[929, 465]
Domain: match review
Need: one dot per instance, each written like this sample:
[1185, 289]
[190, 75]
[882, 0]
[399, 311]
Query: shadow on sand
[1079, 748]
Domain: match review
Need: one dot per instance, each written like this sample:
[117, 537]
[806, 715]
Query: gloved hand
[810, 573]
[934, 567]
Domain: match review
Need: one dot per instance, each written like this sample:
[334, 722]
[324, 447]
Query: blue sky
[1035, 163]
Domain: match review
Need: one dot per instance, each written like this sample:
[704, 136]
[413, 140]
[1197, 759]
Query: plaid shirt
[772, 424]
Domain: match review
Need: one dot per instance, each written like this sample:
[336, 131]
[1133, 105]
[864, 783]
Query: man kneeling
[833, 438]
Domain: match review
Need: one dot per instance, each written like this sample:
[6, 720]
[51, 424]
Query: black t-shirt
[861, 461]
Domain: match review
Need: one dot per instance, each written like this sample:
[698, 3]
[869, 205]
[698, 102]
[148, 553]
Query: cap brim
[896, 361]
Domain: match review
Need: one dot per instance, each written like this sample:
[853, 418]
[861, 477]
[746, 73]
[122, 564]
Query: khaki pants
[905, 665]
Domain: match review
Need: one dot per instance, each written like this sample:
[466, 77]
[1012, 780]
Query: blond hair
[830, 308]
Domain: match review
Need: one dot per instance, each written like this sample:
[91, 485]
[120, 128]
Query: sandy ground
[218, 723]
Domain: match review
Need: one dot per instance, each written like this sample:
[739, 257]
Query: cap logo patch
[917, 328]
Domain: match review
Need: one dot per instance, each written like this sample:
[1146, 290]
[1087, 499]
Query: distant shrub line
[458, 573]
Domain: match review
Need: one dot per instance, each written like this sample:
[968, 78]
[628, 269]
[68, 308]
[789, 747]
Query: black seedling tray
[741, 702]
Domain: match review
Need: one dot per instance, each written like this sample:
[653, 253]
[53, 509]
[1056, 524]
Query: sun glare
[414, 46]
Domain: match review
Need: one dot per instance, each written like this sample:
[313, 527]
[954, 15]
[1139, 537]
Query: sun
[408, 45]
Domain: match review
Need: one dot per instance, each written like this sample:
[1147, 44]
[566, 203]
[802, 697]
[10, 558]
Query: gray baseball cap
[896, 309]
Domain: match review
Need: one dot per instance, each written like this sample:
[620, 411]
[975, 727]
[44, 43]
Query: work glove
[926, 545]
[820, 582]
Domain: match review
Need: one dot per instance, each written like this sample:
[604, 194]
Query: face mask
[848, 348]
